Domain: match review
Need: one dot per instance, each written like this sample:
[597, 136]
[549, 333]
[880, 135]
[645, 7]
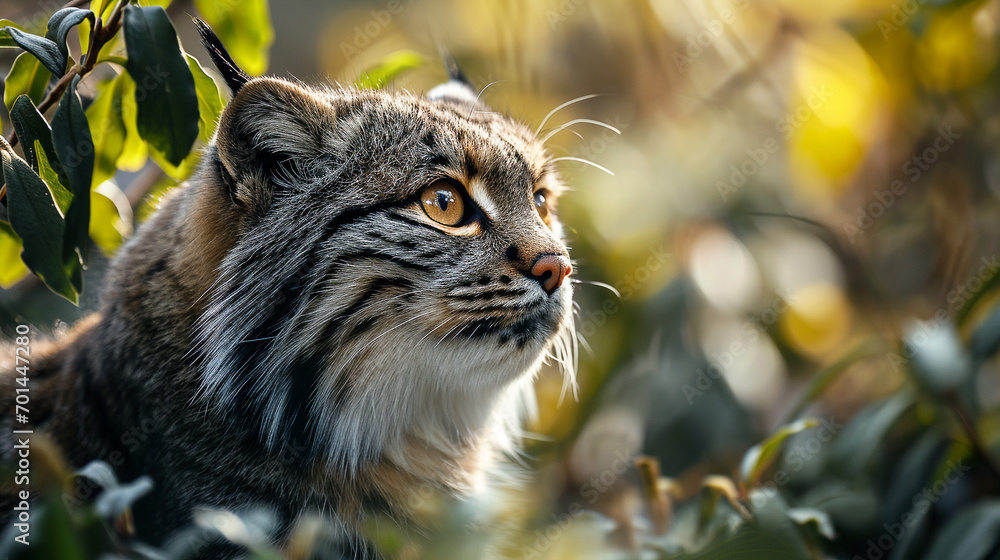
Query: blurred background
[799, 225]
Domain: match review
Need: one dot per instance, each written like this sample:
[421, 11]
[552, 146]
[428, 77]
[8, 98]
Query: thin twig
[98, 38]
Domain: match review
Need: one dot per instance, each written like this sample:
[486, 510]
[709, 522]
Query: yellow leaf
[134, 151]
[958, 49]
[12, 268]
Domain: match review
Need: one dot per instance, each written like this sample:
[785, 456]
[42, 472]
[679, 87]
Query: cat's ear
[458, 88]
[267, 125]
[234, 76]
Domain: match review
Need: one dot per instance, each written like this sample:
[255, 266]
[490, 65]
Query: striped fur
[303, 335]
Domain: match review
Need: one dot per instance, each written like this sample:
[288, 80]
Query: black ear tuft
[458, 88]
[234, 76]
[455, 73]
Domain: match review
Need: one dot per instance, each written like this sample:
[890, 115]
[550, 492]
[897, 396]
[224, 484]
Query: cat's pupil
[444, 199]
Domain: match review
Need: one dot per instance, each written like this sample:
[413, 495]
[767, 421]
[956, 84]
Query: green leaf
[62, 195]
[107, 128]
[857, 445]
[45, 50]
[113, 502]
[811, 517]
[110, 217]
[135, 152]
[209, 100]
[180, 172]
[985, 339]
[761, 456]
[825, 377]
[244, 27]
[972, 534]
[101, 473]
[165, 93]
[390, 67]
[12, 269]
[28, 77]
[30, 126]
[5, 39]
[714, 488]
[75, 148]
[940, 361]
[37, 221]
[62, 22]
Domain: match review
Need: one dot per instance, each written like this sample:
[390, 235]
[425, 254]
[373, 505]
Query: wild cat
[346, 305]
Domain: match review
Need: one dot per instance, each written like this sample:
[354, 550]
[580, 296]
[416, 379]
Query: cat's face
[420, 269]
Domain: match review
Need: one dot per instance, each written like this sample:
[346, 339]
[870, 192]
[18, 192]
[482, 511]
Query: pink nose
[550, 271]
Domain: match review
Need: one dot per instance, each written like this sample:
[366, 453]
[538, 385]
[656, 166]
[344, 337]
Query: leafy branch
[58, 194]
[99, 37]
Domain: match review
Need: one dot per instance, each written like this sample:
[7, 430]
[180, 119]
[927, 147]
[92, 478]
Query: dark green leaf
[36, 141]
[165, 92]
[970, 535]
[45, 50]
[75, 148]
[36, 220]
[856, 447]
[30, 126]
[62, 22]
[986, 338]
[28, 77]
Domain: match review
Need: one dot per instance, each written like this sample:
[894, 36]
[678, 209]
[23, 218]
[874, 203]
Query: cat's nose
[550, 271]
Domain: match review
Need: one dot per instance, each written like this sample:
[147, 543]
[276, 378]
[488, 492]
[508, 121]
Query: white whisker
[586, 161]
[483, 90]
[566, 104]
[563, 127]
[608, 287]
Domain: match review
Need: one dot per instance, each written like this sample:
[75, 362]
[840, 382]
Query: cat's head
[398, 274]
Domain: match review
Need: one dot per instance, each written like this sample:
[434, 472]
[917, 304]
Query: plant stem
[98, 38]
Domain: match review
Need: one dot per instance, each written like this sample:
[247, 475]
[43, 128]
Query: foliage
[158, 101]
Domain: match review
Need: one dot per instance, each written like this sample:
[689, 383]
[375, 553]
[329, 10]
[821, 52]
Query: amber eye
[443, 203]
[541, 204]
